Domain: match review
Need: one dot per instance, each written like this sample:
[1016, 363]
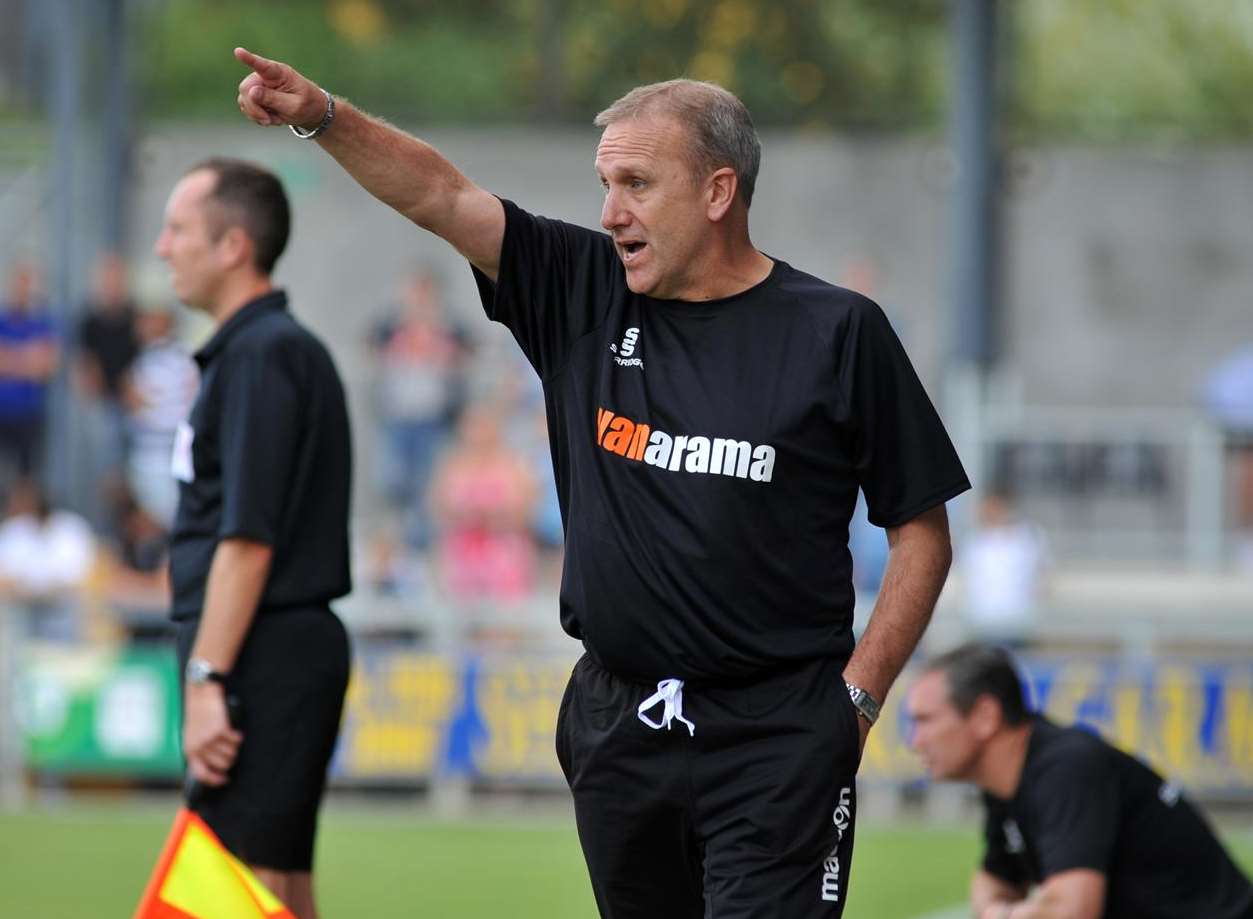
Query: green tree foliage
[1122, 69]
[845, 62]
[1113, 70]
[412, 60]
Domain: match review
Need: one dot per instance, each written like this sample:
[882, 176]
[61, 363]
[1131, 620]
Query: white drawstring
[671, 693]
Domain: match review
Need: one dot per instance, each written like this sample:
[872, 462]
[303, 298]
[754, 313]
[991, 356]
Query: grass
[77, 861]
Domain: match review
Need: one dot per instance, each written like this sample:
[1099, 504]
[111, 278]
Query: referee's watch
[867, 705]
[200, 671]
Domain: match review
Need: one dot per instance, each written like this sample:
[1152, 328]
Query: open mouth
[631, 249]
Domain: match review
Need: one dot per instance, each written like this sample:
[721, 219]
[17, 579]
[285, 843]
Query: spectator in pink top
[483, 497]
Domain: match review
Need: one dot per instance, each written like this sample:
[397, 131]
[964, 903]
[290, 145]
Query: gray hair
[721, 131]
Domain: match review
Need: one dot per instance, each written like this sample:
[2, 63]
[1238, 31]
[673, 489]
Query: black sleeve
[997, 859]
[905, 462]
[260, 429]
[554, 285]
[1075, 802]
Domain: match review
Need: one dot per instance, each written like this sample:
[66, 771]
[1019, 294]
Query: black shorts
[290, 679]
[750, 816]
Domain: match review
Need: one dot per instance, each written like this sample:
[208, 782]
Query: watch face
[863, 702]
[199, 671]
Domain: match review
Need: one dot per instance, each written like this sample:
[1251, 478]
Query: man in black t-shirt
[712, 414]
[1076, 829]
[259, 546]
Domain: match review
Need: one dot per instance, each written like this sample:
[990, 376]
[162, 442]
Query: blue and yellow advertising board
[413, 715]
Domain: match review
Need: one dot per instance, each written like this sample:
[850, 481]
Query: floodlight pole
[975, 274]
[975, 211]
[63, 71]
[81, 51]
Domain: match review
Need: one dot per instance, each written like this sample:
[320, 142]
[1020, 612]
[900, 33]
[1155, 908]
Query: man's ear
[723, 186]
[986, 717]
[236, 246]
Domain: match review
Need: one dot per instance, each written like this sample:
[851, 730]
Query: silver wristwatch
[200, 671]
[867, 705]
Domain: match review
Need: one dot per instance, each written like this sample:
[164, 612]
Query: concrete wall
[1128, 272]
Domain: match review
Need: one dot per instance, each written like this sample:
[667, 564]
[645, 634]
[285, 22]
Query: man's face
[23, 287]
[654, 210]
[189, 243]
[945, 739]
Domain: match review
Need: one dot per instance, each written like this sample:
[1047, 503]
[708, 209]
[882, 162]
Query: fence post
[12, 762]
[1206, 485]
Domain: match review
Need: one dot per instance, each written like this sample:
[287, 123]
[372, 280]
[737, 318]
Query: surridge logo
[842, 816]
[623, 352]
[697, 453]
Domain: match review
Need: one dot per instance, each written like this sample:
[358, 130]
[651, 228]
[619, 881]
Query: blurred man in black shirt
[259, 546]
[1076, 829]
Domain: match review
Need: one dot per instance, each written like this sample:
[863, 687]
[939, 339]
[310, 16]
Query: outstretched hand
[275, 93]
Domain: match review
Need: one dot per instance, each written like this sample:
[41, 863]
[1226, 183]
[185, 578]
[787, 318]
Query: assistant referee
[260, 541]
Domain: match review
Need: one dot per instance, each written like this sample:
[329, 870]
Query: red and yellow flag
[196, 878]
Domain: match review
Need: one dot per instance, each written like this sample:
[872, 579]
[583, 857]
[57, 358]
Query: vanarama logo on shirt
[638, 441]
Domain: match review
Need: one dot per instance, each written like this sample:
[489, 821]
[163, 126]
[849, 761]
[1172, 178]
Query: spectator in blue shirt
[29, 355]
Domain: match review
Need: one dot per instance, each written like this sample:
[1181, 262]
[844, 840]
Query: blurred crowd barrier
[1118, 485]
[470, 697]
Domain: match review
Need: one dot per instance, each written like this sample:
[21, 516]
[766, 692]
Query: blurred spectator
[107, 343]
[29, 355]
[107, 337]
[520, 394]
[1004, 564]
[46, 556]
[137, 562]
[419, 358]
[159, 390]
[1229, 399]
[546, 525]
[392, 568]
[483, 499]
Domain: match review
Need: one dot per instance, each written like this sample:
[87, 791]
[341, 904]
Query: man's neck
[237, 294]
[730, 269]
[1000, 768]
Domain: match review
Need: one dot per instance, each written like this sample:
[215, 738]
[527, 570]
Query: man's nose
[613, 215]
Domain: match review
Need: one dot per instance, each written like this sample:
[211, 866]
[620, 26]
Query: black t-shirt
[708, 455]
[110, 338]
[1084, 804]
[267, 458]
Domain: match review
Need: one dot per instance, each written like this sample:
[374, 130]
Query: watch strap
[867, 705]
[201, 671]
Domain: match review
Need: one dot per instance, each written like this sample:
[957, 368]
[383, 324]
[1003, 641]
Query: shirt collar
[274, 300]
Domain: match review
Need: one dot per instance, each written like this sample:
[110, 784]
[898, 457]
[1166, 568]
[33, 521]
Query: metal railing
[1114, 484]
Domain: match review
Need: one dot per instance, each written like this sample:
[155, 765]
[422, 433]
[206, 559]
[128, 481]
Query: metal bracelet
[322, 125]
[867, 705]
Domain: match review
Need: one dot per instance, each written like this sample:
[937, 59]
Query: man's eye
[637, 184]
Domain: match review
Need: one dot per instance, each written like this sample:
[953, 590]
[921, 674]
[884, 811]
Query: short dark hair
[974, 670]
[251, 197]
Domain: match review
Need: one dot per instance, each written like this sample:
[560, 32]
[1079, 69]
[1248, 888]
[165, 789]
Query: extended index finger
[270, 70]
